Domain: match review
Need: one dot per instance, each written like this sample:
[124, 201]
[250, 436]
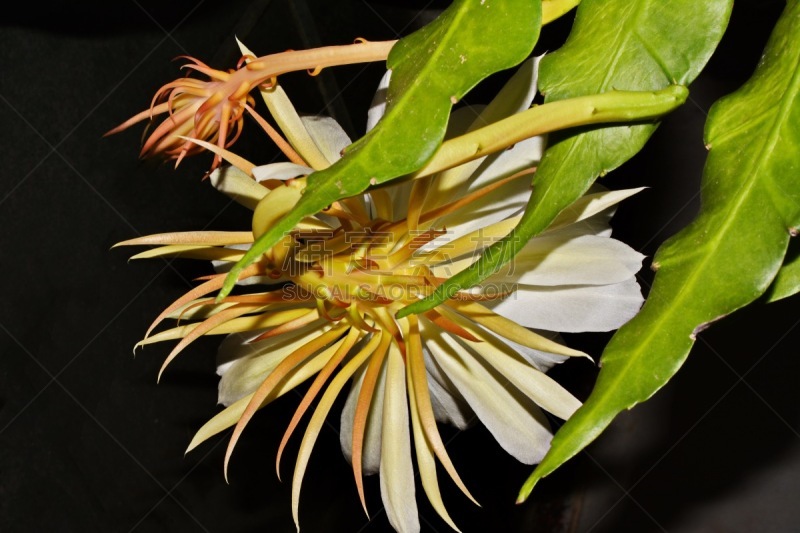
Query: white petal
[378, 106]
[591, 204]
[232, 413]
[426, 461]
[523, 155]
[514, 420]
[280, 171]
[509, 200]
[598, 225]
[516, 95]
[544, 361]
[328, 135]
[244, 366]
[285, 115]
[505, 202]
[371, 447]
[589, 215]
[317, 421]
[397, 472]
[399, 195]
[563, 260]
[449, 407]
[535, 384]
[238, 186]
[233, 348]
[572, 309]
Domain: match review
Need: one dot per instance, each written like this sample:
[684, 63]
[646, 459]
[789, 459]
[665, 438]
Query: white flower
[332, 288]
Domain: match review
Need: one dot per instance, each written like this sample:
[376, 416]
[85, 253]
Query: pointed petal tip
[126, 242]
[228, 453]
[295, 515]
[526, 490]
[196, 441]
[116, 129]
[161, 371]
[192, 446]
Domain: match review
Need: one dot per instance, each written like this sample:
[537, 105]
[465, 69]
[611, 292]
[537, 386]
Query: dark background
[89, 442]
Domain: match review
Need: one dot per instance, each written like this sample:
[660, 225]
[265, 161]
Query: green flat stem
[613, 106]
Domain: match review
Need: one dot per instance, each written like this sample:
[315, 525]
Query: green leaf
[787, 282]
[431, 69]
[638, 45]
[722, 261]
[553, 9]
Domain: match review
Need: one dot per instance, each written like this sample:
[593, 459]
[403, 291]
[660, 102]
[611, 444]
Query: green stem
[613, 106]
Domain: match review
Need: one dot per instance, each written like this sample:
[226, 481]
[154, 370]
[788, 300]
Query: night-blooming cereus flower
[322, 305]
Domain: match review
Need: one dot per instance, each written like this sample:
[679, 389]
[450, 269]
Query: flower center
[362, 274]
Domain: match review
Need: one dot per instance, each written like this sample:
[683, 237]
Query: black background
[89, 442]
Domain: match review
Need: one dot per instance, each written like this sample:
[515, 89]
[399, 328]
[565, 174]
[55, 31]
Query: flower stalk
[613, 106]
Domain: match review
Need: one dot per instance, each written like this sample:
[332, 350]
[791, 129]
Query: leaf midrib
[416, 83]
[788, 97]
[577, 141]
[632, 18]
